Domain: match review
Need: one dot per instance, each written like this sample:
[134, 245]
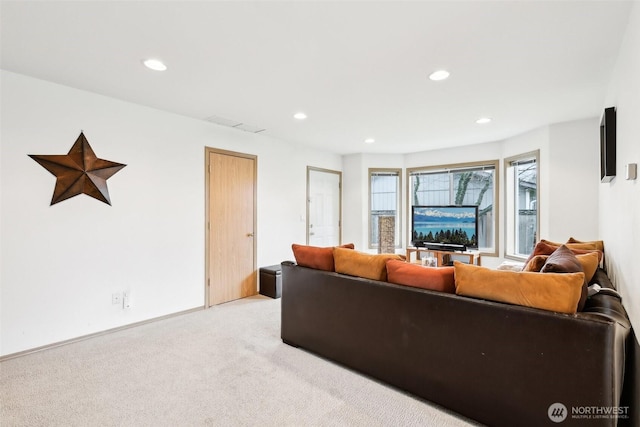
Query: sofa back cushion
[436, 279]
[316, 257]
[559, 292]
[355, 263]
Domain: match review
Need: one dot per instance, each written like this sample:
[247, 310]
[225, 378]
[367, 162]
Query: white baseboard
[96, 334]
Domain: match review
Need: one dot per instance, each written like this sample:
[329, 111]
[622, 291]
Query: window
[384, 200]
[463, 184]
[522, 214]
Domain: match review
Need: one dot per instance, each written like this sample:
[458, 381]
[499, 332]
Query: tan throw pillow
[436, 279]
[316, 257]
[589, 264]
[585, 246]
[559, 292]
[355, 263]
[597, 244]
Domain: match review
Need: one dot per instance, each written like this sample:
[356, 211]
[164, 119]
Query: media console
[444, 257]
[445, 247]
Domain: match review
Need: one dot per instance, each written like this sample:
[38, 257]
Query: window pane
[525, 202]
[383, 201]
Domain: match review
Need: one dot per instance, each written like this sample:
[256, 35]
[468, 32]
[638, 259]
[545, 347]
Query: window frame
[510, 228]
[398, 232]
[455, 167]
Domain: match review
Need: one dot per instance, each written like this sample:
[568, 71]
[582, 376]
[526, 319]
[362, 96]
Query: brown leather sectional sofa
[498, 364]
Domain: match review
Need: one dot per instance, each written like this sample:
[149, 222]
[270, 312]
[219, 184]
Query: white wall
[573, 180]
[354, 205]
[620, 199]
[60, 264]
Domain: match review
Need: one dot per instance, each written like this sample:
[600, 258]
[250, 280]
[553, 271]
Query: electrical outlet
[126, 299]
[116, 298]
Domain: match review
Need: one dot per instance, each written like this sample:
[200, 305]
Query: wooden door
[231, 240]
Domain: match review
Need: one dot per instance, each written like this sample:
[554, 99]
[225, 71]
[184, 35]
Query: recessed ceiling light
[300, 116]
[154, 64]
[439, 75]
[369, 141]
[483, 120]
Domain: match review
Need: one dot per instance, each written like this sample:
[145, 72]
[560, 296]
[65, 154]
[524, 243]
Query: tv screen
[445, 224]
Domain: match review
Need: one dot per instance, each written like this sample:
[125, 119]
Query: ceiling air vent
[234, 124]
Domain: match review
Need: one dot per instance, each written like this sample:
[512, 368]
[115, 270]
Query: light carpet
[225, 366]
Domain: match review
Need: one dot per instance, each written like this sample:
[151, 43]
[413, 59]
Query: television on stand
[444, 228]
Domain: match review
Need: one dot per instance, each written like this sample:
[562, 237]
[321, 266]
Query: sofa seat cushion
[316, 257]
[559, 292]
[436, 279]
[361, 264]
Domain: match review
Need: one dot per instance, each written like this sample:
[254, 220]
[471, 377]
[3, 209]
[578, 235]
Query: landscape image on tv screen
[445, 224]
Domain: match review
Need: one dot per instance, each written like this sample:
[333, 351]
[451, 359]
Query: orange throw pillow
[536, 263]
[436, 279]
[559, 292]
[360, 264]
[316, 257]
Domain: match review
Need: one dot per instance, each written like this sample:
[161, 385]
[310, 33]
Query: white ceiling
[358, 69]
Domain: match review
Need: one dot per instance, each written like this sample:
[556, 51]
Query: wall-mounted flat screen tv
[608, 145]
[457, 225]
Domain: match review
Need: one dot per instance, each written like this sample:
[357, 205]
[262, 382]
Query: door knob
[249, 234]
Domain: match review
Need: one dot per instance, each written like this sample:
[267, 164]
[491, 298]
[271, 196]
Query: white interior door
[323, 207]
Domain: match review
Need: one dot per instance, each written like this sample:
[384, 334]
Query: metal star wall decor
[78, 172]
